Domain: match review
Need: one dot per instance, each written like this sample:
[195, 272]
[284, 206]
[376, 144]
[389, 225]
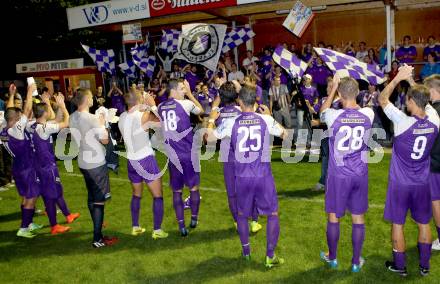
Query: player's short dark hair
[348, 88]
[248, 96]
[12, 113]
[39, 109]
[434, 55]
[419, 94]
[433, 82]
[431, 36]
[173, 84]
[227, 93]
[80, 96]
[407, 37]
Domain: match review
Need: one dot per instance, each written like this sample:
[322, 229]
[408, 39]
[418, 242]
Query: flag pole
[124, 55]
[235, 48]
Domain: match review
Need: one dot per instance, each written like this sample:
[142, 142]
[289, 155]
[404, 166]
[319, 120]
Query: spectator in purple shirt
[431, 47]
[307, 52]
[406, 53]
[278, 72]
[320, 73]
[191, 77]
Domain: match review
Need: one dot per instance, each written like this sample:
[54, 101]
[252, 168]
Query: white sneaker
[319, 187]
[436, 245]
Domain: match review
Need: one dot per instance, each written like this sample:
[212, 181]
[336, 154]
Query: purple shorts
[229, 176]
[188, 177]
[346, 193]
[145, 169]
[27, 183]
[50, 183]
[256, 192]
[434, 186]
[401, 198]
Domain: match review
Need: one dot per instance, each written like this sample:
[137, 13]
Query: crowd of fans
[294, 103]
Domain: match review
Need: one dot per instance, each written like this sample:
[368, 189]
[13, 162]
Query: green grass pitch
[211, 252]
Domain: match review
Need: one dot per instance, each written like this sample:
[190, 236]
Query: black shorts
[97, 183]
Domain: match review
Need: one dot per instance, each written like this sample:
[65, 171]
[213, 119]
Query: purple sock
[424, 254]
[51, 210]
[26, 217]
[332, 239]
[357, 240]
[272, 234]
[243, 231]
[195, 204]
[157, 212]
[135, 208]
[178, 208]
[399, 259]
[438, 232]
[63, 206]
[232, 201]
[255, 214]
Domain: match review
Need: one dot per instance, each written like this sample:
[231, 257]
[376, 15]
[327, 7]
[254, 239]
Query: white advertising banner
[45, 66]
[107, 12]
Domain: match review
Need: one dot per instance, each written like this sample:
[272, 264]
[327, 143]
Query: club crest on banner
[202, 44]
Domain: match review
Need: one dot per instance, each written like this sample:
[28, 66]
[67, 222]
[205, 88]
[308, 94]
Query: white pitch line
[301, 199]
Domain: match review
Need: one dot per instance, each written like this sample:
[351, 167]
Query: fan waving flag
[139, 51]
[236, 37]
[103, 58]
[128, 68]
[170, 40]
[348, 66]
[289, 62]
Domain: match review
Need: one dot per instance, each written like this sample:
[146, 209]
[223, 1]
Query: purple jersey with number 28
[349, 132]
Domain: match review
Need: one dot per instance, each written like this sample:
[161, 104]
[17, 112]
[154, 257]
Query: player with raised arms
[347, 177]
[433, 83]
[142, 165]
[254, 183]
[175, 120]
[17, 142]
[41, 131]
[408, 181]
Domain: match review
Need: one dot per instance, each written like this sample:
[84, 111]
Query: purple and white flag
[348, 66]
[139, 51]
[128, 68]
[103, 58]
[236, 37]
[170, 40]
[147, 65]
[289, 62]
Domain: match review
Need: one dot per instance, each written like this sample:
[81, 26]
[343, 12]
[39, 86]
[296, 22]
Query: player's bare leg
[398, 265]
[436, 214]
[136, 208]
[357, 239]
[195, 205]
[180, 214]
[424, 247]
[155, 188]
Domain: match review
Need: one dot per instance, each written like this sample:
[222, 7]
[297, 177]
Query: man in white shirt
[249, 60]
[362, 52]
[235, 74]
[90, 134]
[142, 165]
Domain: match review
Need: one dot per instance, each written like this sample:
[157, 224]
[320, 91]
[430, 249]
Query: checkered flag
[170, 40]
[128, 68]
[139, 51]
[147, 65]
[236, 37]
[289, 62]
[103, 58]
[348, 66]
